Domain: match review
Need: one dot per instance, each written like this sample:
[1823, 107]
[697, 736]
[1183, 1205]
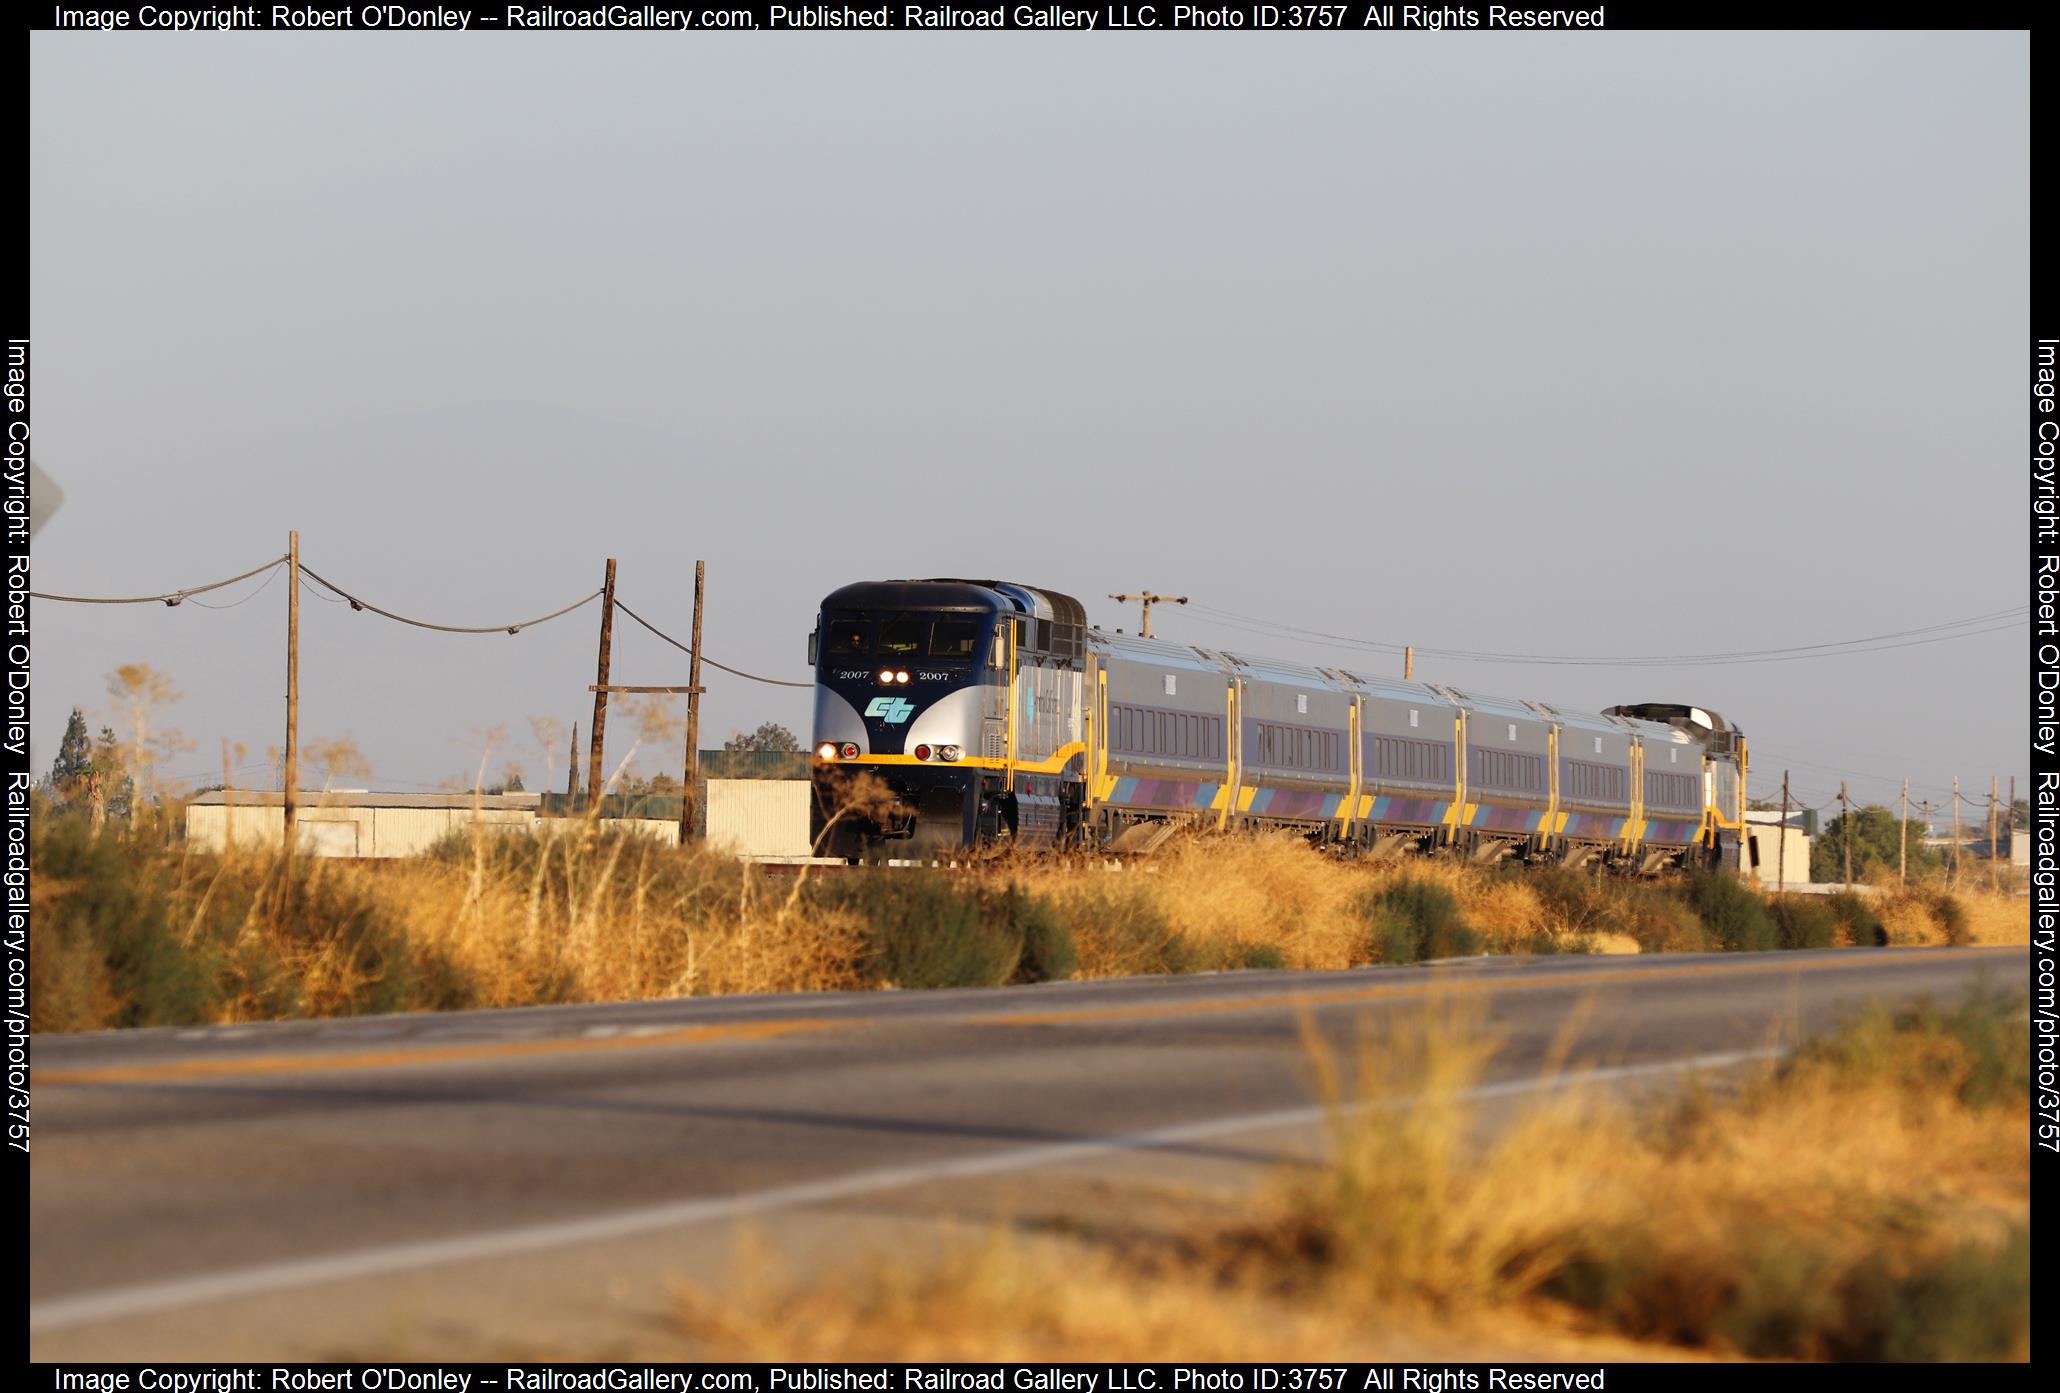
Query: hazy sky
[1564, 344]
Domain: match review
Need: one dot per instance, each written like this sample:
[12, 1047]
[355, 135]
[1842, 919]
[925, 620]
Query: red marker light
[850, 750]
[922, 752]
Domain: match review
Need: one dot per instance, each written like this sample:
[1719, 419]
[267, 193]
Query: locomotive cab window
[901, 638]
[846, 639]
[954, 638]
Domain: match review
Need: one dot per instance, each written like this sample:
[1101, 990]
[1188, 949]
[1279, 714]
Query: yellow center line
[432, 1054]
[1442, 986]
[767, 1030]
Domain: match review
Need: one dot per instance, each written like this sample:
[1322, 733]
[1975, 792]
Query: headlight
[826, 750]
[901, 677]
[949, 753]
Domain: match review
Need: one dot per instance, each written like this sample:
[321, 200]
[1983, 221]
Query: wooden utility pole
[291, 779]
[2010, 821]
[1781, 847]
[693, 712]
[1994, 875]
[1148, 599]
[572, 765]
[1956, 827]
[1845, 828]
[1408, 662]
[596, 736]
[1902, 856]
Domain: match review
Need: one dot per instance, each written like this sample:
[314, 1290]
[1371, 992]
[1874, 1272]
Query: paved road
[524, 1182]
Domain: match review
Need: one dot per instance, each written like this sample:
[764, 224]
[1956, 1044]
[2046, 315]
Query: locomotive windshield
[901, 636]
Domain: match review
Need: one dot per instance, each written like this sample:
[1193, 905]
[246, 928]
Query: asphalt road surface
[527, 1183]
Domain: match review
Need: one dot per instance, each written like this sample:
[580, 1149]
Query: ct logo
[891, 709]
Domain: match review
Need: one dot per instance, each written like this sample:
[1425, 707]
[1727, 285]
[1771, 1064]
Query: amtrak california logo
[892, 709]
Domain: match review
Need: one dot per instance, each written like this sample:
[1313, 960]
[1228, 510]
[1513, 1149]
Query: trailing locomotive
[958, 713]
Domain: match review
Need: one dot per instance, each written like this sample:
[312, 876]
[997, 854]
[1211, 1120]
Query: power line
[734, 672]
[343, 596]
[1872, 643]
[167, 598]
[270, 575]
[357, 603]
[1862, 774]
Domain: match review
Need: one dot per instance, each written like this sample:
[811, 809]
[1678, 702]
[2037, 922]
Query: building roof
[364, 798]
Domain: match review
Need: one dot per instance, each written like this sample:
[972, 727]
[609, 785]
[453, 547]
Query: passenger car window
[900, 637]
[953, 638]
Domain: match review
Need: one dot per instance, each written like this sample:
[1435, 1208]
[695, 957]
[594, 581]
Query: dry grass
[1212, 902]
[1868, 1199]
[579, 915]
[1006, 1298]
[1275, 901]
[1828, 1210]
[1927, 912]
[128, 932]
[134, 927]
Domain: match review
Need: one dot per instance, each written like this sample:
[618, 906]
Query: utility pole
[1845, 827]
[1902, 858]
[572, 765]
[2010, 821]
[1994, 878]
[1408, 662]
[1956, 828]
[1781, 847]
[291, 779]
[1148, 599]
[596, 736]
[693, 712]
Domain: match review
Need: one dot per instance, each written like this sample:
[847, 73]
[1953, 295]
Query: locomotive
[965, 713]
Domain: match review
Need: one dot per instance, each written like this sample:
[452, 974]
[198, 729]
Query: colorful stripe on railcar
[1132, 791]
[1594, 827]
[1400, 808]
[1500, 818]
[1671, 831]
[1289, 802]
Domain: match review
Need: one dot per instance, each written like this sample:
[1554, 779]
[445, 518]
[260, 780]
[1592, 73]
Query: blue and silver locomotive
[961, 713]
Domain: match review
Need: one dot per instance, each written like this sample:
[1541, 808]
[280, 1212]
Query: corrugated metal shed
[758, 817]
[354, 823]
[747, 817]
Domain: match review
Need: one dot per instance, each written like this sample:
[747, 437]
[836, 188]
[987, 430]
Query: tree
[74, 762]
[111, 772]
[1877, 838]
[769, 738]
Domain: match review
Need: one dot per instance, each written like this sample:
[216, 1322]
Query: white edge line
[95, 1307]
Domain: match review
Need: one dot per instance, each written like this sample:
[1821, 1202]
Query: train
[957, 714]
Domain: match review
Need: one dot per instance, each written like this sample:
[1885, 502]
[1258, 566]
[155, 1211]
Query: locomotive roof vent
[1706, 726]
